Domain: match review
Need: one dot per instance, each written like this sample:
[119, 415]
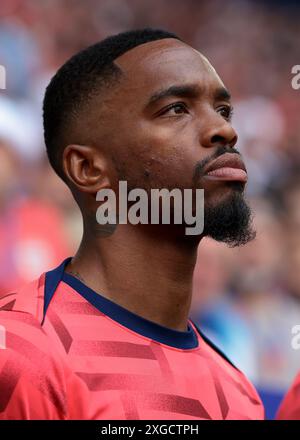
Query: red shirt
[290, 407]
[72, 354]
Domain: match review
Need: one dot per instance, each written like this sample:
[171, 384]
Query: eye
[226, 111]
[177, 108]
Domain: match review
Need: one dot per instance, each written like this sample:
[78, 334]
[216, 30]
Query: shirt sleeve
[33, 378]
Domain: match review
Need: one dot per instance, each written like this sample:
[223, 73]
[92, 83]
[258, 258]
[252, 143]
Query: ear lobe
[86, 168]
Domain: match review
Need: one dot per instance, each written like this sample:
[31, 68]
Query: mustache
[200, 166]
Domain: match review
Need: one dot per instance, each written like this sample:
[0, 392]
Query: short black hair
[79, 78]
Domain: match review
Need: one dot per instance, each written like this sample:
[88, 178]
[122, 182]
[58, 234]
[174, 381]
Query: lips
[229, 166]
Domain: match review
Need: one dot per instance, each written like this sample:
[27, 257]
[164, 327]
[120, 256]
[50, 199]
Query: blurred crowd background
[248, 299]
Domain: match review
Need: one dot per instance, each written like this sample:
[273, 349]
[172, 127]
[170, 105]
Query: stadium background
[249, 297]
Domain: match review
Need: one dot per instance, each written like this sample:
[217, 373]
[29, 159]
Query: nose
[218, 132]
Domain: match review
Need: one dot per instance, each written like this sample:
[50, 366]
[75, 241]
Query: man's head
[145, 107]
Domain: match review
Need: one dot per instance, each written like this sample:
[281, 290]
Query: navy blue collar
[174, 338]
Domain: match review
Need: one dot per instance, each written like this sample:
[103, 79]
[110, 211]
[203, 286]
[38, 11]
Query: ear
[86, 168]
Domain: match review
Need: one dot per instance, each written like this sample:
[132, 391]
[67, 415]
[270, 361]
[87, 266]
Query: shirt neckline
[175, 338]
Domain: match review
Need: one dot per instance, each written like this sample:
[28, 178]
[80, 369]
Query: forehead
[162, 63]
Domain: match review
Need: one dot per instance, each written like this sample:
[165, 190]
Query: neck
[148, 273]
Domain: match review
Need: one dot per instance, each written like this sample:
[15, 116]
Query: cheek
[163, 160]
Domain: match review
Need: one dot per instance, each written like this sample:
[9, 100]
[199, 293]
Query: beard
[230, 221]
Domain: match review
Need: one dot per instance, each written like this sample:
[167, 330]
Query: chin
[228, 217]
[223, 191]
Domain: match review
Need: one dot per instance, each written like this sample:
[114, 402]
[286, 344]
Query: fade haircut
[79, 79]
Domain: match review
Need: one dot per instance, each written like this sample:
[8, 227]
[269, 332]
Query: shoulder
[33, 377]
[29, 298]
[228, 377]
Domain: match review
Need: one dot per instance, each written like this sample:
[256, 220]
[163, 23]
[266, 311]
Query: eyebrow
[222, 94]
[184, 90]
[188, 91]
